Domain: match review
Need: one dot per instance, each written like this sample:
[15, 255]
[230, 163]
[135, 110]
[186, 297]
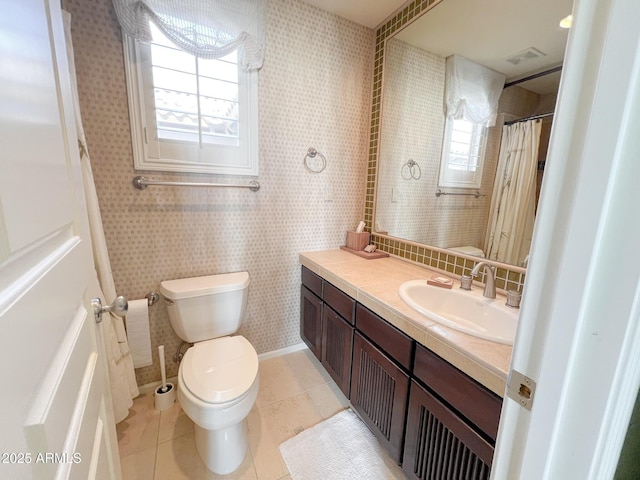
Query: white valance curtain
[513, 203]
[204, 28]
[472, 91]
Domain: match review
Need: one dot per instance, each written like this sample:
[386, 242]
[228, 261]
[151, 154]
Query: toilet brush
[165, 393]
[163, 388]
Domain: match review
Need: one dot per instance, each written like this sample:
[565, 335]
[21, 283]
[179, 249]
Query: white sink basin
[465, 311]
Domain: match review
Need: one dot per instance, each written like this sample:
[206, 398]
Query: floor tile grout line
[295, 395]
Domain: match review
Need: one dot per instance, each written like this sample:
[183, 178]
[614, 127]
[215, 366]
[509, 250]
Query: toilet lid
[220, 370]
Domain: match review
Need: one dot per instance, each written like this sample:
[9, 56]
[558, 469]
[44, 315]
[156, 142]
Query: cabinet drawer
[395, 343]
[312, 281]
[339, 301]
[480, 406]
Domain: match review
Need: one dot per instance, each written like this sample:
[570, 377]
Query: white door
[579, 332]
[56, 418]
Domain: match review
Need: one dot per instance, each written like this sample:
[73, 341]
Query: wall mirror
[522, 40]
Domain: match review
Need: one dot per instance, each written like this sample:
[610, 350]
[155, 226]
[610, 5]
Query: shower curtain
[121, 374]
[513, 203]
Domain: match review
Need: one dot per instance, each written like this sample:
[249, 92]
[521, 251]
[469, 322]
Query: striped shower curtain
[513, 202]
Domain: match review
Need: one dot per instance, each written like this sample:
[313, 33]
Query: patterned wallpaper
[314, 91]
[412, 127]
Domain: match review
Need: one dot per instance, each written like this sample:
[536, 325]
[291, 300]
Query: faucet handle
[513, 298]
[465, 282]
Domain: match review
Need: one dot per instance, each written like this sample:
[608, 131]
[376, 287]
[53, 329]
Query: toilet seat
[220, 370]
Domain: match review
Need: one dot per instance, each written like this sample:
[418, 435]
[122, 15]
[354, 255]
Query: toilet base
[222, 451]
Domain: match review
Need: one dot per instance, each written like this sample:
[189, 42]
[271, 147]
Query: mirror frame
[508, 277]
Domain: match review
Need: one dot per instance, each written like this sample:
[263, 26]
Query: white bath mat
[340, 448]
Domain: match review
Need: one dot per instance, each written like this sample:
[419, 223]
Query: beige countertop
[375, 283]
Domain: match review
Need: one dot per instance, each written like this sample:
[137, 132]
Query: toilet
[218, 376]
[469, 250]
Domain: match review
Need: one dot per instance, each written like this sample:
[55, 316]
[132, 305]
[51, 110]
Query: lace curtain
[204, 28]
[472, 91]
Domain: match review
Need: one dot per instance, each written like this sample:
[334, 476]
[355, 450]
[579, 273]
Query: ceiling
[492, 30]
[369, 13]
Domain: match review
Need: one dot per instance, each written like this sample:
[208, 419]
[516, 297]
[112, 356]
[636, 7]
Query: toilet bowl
[218, 378]
[217, 386]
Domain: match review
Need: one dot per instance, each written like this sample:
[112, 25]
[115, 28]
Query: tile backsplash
[314, 91]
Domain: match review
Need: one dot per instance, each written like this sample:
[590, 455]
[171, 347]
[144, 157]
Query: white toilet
[218, 377]
[469, 250]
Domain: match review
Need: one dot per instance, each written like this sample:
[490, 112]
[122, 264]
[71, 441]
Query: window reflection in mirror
[462, 154]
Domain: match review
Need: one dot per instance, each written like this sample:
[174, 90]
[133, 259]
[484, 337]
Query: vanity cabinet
[432, 418]
[311, 320]
[379, 391]
[439, 444]
[337, 344]
[327, 316]
[452, 422]
[382, 357]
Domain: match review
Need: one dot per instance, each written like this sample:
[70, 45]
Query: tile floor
[295, 393]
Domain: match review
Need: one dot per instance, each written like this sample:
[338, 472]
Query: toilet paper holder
[152, 298]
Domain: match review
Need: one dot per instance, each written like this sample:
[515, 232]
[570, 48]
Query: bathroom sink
[465, 311]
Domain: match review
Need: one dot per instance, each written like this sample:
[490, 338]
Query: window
[189, 114]
[462, 154]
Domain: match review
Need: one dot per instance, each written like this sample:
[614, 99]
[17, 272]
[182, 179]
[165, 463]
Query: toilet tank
[202, 308]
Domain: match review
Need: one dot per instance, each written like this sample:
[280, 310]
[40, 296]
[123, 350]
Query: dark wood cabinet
[337, 345]
[396, 344]
[327, 316]
[312, 281]
[452, 422]
[439, 444]
[379, 390]
[311, 320]
[474, 402]
[434, 419]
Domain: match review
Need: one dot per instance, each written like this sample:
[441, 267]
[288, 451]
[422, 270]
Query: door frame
[579, 329]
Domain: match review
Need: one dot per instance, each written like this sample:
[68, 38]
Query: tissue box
[357, 241]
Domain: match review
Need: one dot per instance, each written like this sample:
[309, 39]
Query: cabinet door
[311, 320]
[337, 345]
[439, 445]
[473, 401]
[379, 390]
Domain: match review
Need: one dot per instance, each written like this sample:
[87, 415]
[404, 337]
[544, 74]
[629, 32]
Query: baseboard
[282, 351]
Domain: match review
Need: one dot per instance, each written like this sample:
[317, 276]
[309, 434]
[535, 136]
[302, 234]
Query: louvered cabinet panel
[379, 390]
[473, 401]
[311, 320]
[337, 345]
[439, 445]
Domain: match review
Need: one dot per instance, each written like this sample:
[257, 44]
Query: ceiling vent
[524, 56]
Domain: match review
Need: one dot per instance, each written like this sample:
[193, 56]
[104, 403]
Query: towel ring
[411, 165]
[313, 153]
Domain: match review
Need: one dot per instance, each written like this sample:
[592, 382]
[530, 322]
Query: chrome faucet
[490, 278]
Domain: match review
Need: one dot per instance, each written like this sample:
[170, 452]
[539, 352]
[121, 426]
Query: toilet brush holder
[165, 399]
[166, 392]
